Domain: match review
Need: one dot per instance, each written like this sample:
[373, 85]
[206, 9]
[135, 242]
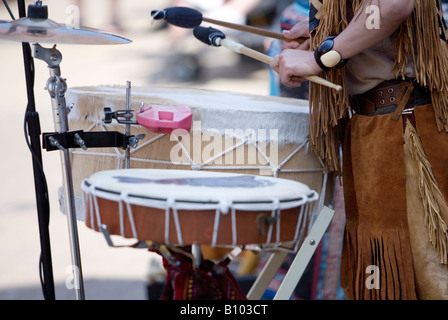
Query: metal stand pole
[305, 254]
[128, 125]
[57, 87]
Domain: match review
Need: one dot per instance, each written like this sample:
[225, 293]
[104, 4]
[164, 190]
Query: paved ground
[108, 273]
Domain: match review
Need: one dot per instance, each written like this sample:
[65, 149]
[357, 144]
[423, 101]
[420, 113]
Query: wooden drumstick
[232, 45]
[216, 38]
[250, 29]
[185, 17]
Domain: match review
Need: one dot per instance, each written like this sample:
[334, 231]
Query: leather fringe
[432, 197]
[327, 106]
[380, 264]
[419, 37]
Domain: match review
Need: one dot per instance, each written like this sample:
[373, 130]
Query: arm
[356, 38]
[292, 65]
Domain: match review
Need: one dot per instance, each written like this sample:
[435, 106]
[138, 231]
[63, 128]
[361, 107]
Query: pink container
[165, 119]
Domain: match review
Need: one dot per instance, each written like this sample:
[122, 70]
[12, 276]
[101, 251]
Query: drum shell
[197, 226]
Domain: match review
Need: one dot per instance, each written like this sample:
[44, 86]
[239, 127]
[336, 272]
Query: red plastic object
[165, 119]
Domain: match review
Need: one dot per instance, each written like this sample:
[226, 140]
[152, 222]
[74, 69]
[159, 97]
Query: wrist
[326, 57]
[315, 67]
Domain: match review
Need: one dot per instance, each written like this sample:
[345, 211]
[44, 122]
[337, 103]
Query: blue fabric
[314, 22]
[303, 6]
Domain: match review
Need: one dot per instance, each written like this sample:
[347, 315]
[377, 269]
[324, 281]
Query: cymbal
[49, 31]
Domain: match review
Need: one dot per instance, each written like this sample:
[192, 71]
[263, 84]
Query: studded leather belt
[386, 94]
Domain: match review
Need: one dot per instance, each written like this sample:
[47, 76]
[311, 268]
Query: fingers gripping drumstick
[216, 38]
[189, 18]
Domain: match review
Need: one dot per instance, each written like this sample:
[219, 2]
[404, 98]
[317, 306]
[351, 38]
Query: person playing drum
[392, 122]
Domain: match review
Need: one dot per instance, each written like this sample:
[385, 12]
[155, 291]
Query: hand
[293, 65]
[300, 30]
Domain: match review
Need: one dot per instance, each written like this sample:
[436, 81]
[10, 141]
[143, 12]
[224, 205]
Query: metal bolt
[80, 142]
[55, 143]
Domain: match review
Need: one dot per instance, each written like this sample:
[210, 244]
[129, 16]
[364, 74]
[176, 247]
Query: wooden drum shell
[196, 225]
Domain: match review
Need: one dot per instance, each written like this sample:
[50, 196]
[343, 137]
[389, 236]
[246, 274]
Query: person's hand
[300, 30]
[293, 65]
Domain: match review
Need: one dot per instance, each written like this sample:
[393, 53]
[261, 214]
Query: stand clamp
[80, 139]
[57, 87]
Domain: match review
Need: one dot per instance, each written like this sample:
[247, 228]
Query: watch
[326, 57]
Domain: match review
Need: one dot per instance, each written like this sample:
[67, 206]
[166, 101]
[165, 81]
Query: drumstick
[190, 18]
[216, 38]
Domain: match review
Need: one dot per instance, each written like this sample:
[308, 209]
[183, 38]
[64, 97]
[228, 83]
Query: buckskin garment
[393, 164]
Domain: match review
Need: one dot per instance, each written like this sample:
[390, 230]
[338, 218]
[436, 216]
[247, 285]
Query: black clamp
[84, 140]
[122, 116]
[101, 139]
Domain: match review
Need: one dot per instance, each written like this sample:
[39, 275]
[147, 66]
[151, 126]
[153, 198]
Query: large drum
[179, 207]
[230, 132]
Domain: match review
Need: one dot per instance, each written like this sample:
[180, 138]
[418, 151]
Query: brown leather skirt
[387, 253]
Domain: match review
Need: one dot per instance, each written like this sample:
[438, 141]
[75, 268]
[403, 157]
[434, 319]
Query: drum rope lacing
[223, 207]
[248, 140]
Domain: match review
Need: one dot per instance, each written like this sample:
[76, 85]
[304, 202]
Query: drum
[230, 132]
[182, 207]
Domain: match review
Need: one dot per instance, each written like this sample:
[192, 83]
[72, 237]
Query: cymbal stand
[57, 87]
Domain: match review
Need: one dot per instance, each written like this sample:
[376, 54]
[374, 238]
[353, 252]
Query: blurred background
[158, 56]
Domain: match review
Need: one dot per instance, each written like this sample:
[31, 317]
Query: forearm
[357, 37]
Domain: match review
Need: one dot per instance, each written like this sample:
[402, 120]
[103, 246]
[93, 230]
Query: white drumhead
[211, 99]
[192, 189]
[215, 110]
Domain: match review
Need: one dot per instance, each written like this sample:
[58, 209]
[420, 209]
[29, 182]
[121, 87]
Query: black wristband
[325, 47]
